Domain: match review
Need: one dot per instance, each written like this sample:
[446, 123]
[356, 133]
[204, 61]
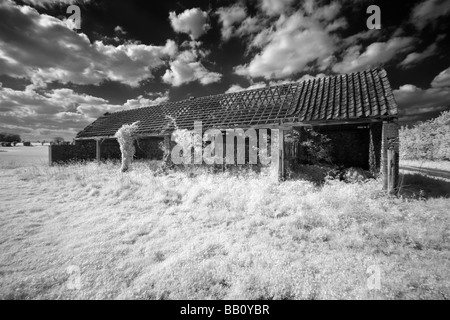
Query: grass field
[20, 155]
[177, 236]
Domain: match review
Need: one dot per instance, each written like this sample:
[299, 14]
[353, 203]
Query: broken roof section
[346, 97]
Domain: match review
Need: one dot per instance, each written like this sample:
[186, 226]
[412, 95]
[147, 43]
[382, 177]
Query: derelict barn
[356, 111]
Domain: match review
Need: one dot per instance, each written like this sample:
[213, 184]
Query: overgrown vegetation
[177, 236]
[316, 148]
[428, 140]
[126, 136]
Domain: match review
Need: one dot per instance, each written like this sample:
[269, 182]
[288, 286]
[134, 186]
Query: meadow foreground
[176, 236]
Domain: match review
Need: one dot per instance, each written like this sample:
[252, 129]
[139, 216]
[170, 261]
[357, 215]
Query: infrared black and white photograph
[225, 151]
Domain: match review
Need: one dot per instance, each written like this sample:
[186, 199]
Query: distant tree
[9, 137]
[58, 140]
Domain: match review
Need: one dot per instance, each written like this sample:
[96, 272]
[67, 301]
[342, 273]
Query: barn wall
[69, 153]
[84, 150]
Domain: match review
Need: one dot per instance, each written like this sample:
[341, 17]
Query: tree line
[12, 139]
[9, 137]
[429, 140]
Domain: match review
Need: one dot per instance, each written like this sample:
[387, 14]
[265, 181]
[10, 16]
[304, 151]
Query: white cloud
[415, 57]
[418, 104]
[325, 13]
[43, 49]
[59, 111]
[275, 7]
[292, 44]
[229, 17]
[193, 22]
[428, 12]
[120, 30]
[250, 25]
[375, 54]
[141, 101]
[442, 79]
[186, 68]
[309, 77]
[415, 103]
[49, 3]
[364, 35]
[236, 87]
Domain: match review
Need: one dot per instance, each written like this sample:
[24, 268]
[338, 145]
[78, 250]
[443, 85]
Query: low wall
[85, 150]
[68, 153]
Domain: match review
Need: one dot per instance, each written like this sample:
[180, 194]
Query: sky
[56, 79]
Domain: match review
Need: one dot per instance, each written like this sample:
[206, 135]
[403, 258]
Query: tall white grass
[141, 234]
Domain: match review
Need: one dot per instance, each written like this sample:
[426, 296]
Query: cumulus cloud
[287, 48]
[29, 112]
[249, 26]
[275, 7]
[49, 3]
[442, 79]
[194, 22]
[262, 84]
[237, 87]
[418, 104]
[187, 68]
[416, 57]
[375, 54]
[229, 17]
[428, 12]
[43, 49]
[325, 13]
[120, 30]
[59, 111]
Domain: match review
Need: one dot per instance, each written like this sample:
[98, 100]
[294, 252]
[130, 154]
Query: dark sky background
[55, 80]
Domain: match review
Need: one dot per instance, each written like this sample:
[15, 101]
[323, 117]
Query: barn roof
[346, 97]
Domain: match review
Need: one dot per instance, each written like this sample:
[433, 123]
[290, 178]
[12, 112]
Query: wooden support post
[97, 149]
[277, 153]
[50, 158]
[167, 151]
[392, 169]
[389, 156]
[281, 154]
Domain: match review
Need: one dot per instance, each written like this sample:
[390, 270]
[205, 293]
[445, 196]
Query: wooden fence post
[50, 160]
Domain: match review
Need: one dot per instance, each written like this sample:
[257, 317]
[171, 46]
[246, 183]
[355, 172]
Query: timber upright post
[282, 165]
[167, 151]
[277, 153]
[50, 160]
[97, 150]
[392, 175]
[390, 156]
